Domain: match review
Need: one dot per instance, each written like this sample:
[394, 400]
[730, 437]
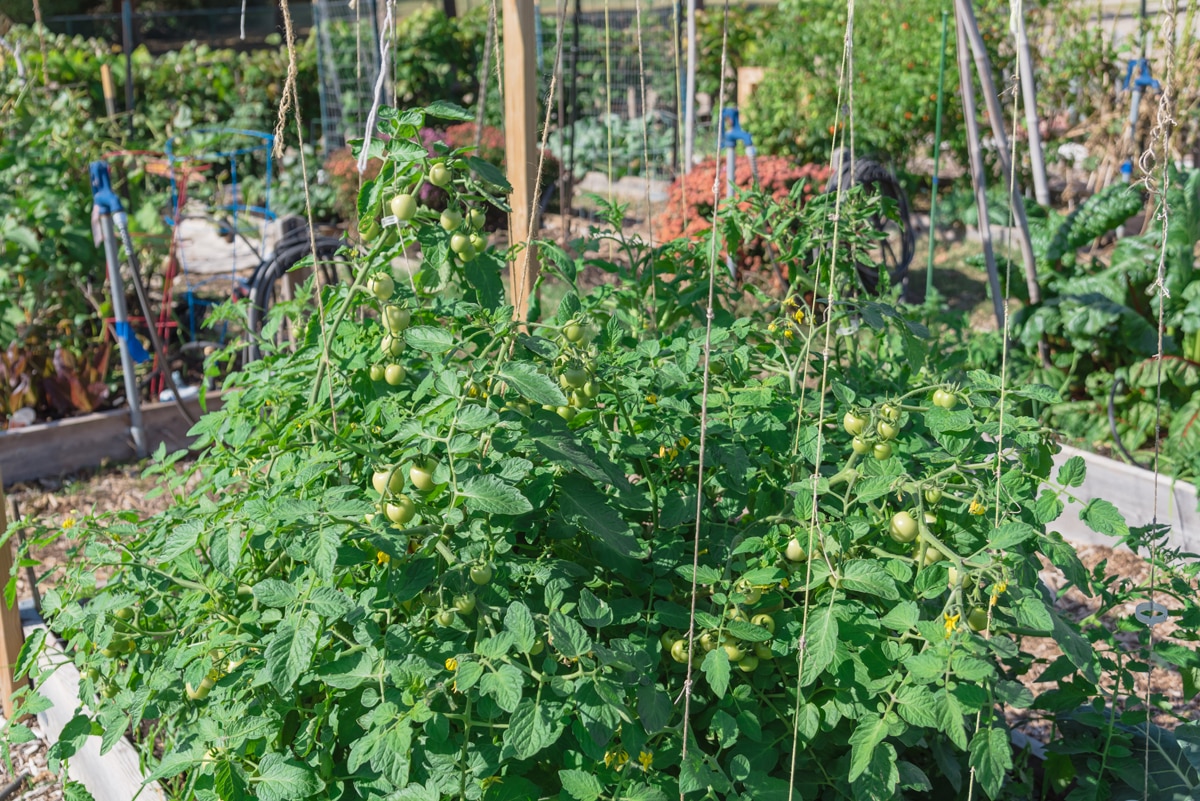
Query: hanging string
[708, 324]
[646, 159]
[481, 101]
[385, 39]
[845, 84]
[608, 123]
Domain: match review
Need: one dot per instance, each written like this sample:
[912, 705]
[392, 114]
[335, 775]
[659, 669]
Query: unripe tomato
[124, 613]
[854, 423]
[395, 374]
[385, 481]
[944, 399]
[539, 645]
[903, 527]
[464, 604]
[668, 638]
[565, 412]
[404, 207]
[933, 555]
[952, 579]
[392, 346]
[445, 618]
[376, 372]
[933, 495]
[679, 651]
[110, 691]
[381, 286]
[459, 243]
[369, 230]
[795, 551]
[764, 621]
[421, 474]
[859, 445]
[889, 412]
[977, 619]
[451, 220]
[396, 318]
[748, 663]
[476, 218]
[763, 651]
[708, 641]
[882, 450]
[92, 674]
[479, 243]
[734, 651]
[591, 390]
[573, 332]
[439, 175]
[887, 430]
[574, 376]
[400, 510]
[481, 573]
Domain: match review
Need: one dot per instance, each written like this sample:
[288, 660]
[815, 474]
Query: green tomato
[882, 450]
[591, 390]
[439, 175]
[369, 231]
[395, 374]
[481, 573]
[668, 638]
[476, 219]
[381, 286]
[903, 527]
[887, 430]
[795, 551]
[385, 481]
[575, 376]
[110, 690]
[460, 243]
[404, 207]
[944, 399]
[539, 645]
[464, 604]
[679, 651]
[933, 495]
[124, 613]
[573, 333]
[854, 423]
[566, 412]
[764, 621]
[889, 412]
[479, 242]
[734, 651]
[391, 345]
[708, 641]
[763, 651]
[748, 663]
[451, 220]
[977, 619]
[421, 474]
[396, 319]
[401, 510]
[92, 674]
[376, 372]
[445, 618]
[752, 594]
[859, 446]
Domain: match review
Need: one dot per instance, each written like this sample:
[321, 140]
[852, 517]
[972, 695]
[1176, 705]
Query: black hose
[1112, 423]
[9, 789]
[155, 342]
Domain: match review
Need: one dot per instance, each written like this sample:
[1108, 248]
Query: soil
[34, 780]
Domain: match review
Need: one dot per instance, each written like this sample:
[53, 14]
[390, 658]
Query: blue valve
[1144, 79]
[103, 195]
[732, 130]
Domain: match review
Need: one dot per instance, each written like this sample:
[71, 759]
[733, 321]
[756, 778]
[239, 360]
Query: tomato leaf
[445, 110]
[588, 508]
[820, 644]
[991, 757]
[869, 576]
[275, 593]
[864, 740]
[490, 173]
[281, 779]
[716, 669]
[580, 785]
[1073, 472]
[290, 649]
[1104, 518]
[429, 338]
[570, 639]
[532, 384]
[488, 493]
[594, 611]
[519, 622]
[504, 685]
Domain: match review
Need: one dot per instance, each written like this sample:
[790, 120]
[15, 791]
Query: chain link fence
[348, 63]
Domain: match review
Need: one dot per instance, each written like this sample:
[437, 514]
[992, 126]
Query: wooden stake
[12, 637]
[110, 92]
[520, 144]
[978, 178]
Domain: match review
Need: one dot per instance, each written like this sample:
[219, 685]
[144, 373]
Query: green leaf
[581, 785]
[869, 576]
[489, 494]
[181, 540]
[532, 384]
[583, 505]
[747, 631]
[820, 644]
[902, 617]
[716, 669]
[914, 702]
[570, 639]
[1073, 472]
[950, 718]
[519, 622]
[504, 685]
[1077, 649]
[864, 740]
[490, 173]
[445, 110]
[1010, 534]
[880, 775]
[1104, 518]
[529, 730]
[275, 593]
[483, 274]
[429, 338]
[330, 603]
[594, 611]
[991, 757]
[654, 709]
[475, 418]
[290, 649]
[281, 779]
[1031, 612]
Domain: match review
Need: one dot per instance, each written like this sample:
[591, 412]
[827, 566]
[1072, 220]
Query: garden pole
[127, 43]
[689, 91]
[978, 179]
[110, 92]
[12, 636]
[109, 205]
[937, 150]
[520, 146]
[1037, 158]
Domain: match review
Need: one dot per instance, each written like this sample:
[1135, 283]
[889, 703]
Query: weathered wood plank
[11, 635]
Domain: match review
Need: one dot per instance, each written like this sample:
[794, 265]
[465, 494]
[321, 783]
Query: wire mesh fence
[160, 30]
[348, 63]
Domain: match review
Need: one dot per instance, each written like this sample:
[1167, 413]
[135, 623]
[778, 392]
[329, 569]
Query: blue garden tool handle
[1144, 79]
[732, 131]
[103, 195]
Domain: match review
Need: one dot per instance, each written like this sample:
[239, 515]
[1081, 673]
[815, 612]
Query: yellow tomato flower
[673, 452]
[651, 399]
[951, 624]
[684, 442]
[618, 757]
[489, 781]
[788, 333]
[799, 316]
[976, 508]
[69, 523]
[451, 664]
[646, 758]
[772, 327]
[996, 591]
[382, 558]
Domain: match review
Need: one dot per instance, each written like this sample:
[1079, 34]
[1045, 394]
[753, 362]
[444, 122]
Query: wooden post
[978, 177]
[520, 143]
[110, 93]
[12, 637]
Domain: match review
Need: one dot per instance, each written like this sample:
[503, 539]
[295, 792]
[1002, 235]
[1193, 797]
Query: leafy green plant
[634, 548]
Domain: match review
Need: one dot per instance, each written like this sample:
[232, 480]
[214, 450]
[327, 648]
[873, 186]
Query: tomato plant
[525, 613]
